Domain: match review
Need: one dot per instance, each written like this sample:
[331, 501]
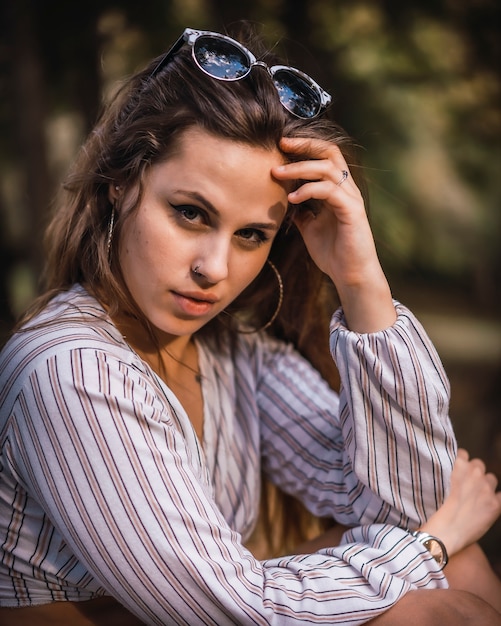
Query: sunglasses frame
[190, 36]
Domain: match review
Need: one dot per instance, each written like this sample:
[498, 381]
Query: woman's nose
[212, 262]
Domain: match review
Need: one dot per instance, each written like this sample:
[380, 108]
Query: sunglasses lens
[220, 58]
[296, 94]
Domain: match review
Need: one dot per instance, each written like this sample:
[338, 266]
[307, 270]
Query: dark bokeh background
[418, 86]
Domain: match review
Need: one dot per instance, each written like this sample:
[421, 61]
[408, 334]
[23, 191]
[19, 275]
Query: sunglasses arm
[166, 58]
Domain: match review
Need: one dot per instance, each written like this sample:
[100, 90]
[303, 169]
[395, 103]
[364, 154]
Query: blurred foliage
[416, 84]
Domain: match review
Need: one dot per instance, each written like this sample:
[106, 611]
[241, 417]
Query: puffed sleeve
[380, 452]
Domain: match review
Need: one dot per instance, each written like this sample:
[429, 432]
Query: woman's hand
[337, 232]
[471, 507]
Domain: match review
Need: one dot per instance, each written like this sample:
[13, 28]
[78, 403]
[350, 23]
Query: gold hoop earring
[109, 239]
[279, 303]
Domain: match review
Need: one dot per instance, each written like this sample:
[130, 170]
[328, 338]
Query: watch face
[435, 549]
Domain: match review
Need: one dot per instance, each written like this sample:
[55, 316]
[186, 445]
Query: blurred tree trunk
[6, 316]
[28, 105]
[296, 19]
[72, 46]
[300, 28]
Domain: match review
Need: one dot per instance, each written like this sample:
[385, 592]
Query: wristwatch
[434, 546]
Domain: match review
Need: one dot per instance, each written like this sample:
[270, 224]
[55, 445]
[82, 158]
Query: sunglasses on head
[225, 59]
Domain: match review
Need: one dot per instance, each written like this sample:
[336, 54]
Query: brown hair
[140, 127]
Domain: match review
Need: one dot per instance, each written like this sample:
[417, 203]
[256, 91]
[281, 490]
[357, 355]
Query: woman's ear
[114, 192]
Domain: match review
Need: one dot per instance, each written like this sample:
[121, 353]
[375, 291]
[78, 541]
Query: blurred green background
[416, 83]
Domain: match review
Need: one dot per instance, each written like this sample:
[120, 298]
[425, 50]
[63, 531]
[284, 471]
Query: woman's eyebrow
[264, 225]
[195, 195]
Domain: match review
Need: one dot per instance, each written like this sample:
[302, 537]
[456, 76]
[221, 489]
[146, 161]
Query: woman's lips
[194, 305]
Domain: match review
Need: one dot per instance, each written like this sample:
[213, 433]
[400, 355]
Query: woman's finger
[323, 169]
[492, 480]
[315, 148]
[318, 190]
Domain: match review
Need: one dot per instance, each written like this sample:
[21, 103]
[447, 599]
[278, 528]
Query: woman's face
[213, 205]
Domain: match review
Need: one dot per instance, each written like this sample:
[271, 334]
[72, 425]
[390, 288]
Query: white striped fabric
[105, 489]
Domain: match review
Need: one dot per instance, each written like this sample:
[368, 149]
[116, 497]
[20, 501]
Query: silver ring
[196, 270]
[344, 176]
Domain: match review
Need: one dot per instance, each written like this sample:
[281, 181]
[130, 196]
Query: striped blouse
[105, 488]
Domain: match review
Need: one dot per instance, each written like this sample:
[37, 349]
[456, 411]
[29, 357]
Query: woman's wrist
[446, 535]
[368, 308]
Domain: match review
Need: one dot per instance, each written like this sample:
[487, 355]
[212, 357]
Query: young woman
[181, 352]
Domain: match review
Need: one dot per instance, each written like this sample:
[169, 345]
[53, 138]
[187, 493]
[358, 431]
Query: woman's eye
[252, 236]
[187, 212]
